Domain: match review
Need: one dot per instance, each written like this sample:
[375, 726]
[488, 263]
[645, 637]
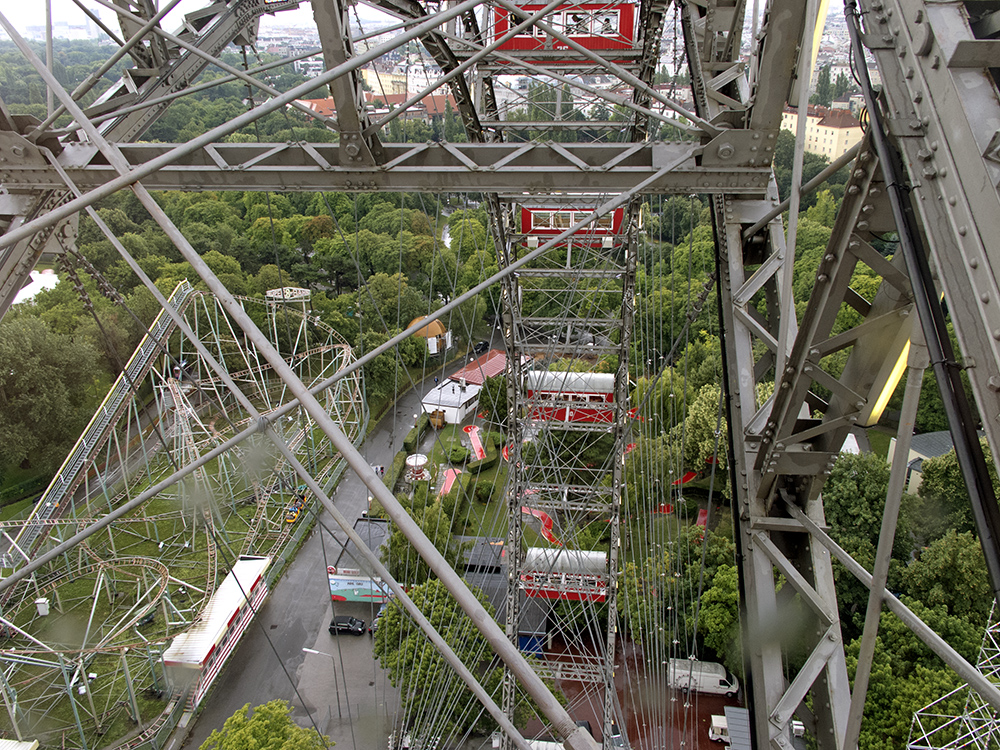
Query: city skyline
[26, 16]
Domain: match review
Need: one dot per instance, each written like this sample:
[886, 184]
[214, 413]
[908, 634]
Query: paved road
[342, 689]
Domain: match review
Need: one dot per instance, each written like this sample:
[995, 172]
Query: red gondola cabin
[595, 26]
[548, 222]
[571, 396]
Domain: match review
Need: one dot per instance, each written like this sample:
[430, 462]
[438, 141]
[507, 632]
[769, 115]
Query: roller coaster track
[50, 583]
[243, 374]
[52, 503]
[189, 451]
[264, 494]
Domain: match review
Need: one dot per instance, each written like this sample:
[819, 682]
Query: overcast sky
[32, 13]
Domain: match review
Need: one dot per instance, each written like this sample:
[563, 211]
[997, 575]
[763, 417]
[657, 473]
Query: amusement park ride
[565, 223]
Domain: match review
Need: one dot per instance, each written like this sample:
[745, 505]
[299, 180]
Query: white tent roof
[40, 280]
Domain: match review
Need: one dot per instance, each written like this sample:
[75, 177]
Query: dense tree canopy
[50, 384]
[268, 727]
[425, 680]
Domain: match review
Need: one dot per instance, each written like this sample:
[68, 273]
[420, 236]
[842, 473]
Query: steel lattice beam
[431, 167]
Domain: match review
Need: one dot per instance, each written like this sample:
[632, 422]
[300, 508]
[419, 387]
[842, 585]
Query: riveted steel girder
[942, 113]
[431, 167]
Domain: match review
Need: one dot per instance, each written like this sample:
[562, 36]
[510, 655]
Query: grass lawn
[451, 433]
[17, 510]
[14, 476]
[879, 442]
[488, 519]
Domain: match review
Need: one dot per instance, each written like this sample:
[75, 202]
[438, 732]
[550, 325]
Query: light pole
[336, 682]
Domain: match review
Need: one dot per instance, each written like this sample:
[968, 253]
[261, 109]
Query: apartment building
[829, 132]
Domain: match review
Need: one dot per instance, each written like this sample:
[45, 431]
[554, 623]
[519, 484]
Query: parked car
[617, 739]
[378, 616]
[481, 347]
[347, 625]
[719, 730]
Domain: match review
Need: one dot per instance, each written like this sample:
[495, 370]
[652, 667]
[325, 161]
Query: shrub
[420, 492]
[458, 453]
[492, 454]
[412, 439]
[395, 470]
[690, 506]
[377, 511]
[483, 492]
[453, 504]
[492, 437]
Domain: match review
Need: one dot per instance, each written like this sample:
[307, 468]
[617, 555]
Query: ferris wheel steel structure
[938, 113]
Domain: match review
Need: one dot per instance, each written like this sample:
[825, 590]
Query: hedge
[395, 471]
[454, 451]
[412, 439]
[377, 511]
[492, 455]
[22, 490]
[492, 437]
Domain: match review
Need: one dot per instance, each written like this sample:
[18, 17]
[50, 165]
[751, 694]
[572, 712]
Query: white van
[701, 677]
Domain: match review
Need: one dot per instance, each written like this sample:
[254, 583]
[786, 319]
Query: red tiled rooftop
[435, 106]
[839, 118]
[489, 365]
[829, 118]
[325, 107]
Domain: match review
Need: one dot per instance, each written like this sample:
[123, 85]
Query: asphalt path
[340, 690]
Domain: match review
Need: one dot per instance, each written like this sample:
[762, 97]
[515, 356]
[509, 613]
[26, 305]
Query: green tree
[269, 727]
[468, 236]
[338, 259]
[931, 577]
[383, 375]
[390, 302]
[389, 219]
[944, 501]
[648, 593]
[842, 85]
[403, 561]
[493, 400]
[425, 680]
[825, 210]
[674, 217]
[824, 88]
[893, 697]
[211, 211]
[49, 386]
[697, 434]
[719, 617]
[854, 500]
[650, 469]
[812, 165]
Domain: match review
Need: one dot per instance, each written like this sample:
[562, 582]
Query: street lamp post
[336, 682]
